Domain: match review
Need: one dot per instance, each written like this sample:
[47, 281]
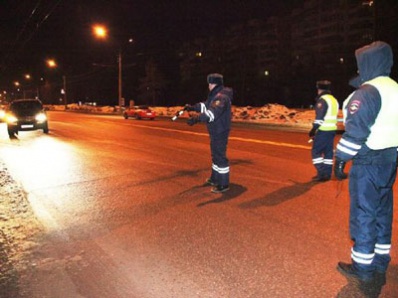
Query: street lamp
[101, 32]
[17, 86]
[24, 86]
[28, 85]
[53, 64]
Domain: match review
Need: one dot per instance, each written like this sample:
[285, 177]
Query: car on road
[24, 115]
[139, 112]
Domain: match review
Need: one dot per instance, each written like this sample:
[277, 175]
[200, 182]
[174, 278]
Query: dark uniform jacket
[363, 108]
[216, 111]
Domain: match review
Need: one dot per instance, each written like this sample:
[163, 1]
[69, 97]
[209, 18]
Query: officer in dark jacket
[216, 113]
[370, 141]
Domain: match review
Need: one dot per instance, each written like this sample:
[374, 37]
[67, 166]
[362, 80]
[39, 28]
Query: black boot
[220, 188]
[350, 272]
[320, 178]
[210, 182]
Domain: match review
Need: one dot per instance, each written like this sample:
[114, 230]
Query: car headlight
[41, 117]
[2, 114]
[11, 118]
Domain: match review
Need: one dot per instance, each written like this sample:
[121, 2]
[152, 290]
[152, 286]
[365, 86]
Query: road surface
[122, 211]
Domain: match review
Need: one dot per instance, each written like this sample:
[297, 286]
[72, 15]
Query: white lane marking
[281, 144]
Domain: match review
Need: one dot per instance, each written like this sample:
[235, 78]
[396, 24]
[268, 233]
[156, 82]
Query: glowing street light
[51, 63]
[100, 31]
[28, 78]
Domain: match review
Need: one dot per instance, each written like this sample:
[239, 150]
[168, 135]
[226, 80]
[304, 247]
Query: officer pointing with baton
[216, 113]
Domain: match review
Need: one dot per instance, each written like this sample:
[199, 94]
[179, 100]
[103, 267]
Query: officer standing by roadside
[323, 131]
[216, 113]
[370, 141]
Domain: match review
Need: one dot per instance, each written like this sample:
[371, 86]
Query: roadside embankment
[18, 229]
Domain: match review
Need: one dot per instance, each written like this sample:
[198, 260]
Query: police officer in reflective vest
[370, 140]
[216, 113]
[323, 131]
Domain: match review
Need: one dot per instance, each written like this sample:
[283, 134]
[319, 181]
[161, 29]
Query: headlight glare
[41, 117]
[11, 118]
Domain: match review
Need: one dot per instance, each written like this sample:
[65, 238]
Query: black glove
[193, 120]
[312, 132]
[339, 166]
[189, 108]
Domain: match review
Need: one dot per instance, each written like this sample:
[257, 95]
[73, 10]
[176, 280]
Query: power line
[18, 47]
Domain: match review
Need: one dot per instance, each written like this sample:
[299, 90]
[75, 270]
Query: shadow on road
[374, 288]
[279, 196]
[234, 192]
[355, 288]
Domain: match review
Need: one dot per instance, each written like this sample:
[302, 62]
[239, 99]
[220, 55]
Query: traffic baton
[178, 114]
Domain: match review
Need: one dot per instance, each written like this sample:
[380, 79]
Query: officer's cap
[215, 78]
[323, 85]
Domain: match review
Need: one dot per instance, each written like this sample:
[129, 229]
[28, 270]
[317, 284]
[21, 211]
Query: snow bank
[269, 113]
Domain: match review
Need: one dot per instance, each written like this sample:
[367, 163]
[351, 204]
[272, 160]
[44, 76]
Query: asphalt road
[124, 213]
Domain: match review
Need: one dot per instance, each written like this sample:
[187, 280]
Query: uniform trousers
[322, 153]
[220, 162]
[371, 214]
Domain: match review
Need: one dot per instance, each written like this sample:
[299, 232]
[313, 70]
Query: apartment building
[280, 59]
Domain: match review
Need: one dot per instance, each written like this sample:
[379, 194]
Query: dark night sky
[37, 28]
[33, 30]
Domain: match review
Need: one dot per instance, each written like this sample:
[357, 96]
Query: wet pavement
[110, 232]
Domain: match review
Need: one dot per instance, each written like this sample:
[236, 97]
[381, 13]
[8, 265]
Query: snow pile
[89, 108]
[268, 114]
[272, 113]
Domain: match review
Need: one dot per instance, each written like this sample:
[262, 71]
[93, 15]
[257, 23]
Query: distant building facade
[279, 59]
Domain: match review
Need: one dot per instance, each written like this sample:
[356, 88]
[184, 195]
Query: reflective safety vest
[330, 120]
[384, 132]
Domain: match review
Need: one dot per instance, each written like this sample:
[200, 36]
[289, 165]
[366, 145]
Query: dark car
[139, 112]
[26, 114]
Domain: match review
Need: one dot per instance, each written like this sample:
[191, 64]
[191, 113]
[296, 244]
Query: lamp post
[51, 63]
[28, 85]
[24, 86]
[101, 32]
[17, 85]
[119, 60]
